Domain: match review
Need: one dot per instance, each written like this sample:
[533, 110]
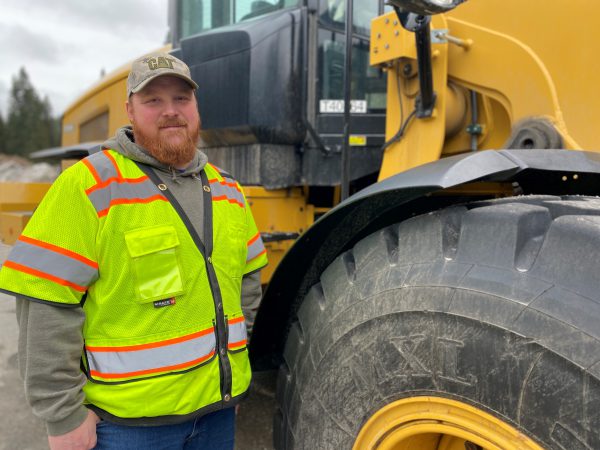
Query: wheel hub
[436, 423]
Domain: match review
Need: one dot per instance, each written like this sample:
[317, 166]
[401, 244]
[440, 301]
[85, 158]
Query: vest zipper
[221, 325]
[222, 329]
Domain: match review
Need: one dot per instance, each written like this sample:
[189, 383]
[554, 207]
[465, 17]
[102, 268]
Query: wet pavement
[21, 430]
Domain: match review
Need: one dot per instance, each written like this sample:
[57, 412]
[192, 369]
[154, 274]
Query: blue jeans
[214, 431]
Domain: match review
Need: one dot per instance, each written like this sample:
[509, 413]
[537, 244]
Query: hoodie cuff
[67, 424]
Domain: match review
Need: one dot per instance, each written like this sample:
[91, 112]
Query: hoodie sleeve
[251, 297]
[50, 343]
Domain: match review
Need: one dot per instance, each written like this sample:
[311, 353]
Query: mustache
[172, 123]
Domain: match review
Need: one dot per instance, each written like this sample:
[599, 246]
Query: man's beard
[164, 150]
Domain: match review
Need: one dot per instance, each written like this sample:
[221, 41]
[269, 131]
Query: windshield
[369, 83]
[332, 13]
[196, 16]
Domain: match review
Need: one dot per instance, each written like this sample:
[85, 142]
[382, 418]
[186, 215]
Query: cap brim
[147, 81]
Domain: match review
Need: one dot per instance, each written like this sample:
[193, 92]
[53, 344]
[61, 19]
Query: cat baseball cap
[153, 65]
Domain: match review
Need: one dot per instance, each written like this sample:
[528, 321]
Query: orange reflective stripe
[104, 194]
[254, 239]
[228, 190]
[138, 373]
[92, 170]
[105, 183]
[57, 263]
[114, 163]
[62, 251]
[230, 200]
[237, 332]
[103, 166]
[132, 348]
[39, 274]
[237, 344]
[130, 201]
[254, 257]
[154, 357]
[232, 184]
[236, 320]
[256, 248]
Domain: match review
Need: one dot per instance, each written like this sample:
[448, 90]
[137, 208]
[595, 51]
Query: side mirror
[425, 7]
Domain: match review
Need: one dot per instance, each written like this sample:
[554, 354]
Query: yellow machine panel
[281, 215]
[16, 196]
[516, 66]
[17, 202]
[12, 225]
[100, 111]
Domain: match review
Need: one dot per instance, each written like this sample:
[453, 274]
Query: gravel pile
[15, 168]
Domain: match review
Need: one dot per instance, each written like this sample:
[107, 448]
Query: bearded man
[130, 279]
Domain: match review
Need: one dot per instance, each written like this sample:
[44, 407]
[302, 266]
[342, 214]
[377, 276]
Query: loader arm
[513, 75]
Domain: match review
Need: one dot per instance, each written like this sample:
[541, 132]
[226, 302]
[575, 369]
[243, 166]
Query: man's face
[165, 120]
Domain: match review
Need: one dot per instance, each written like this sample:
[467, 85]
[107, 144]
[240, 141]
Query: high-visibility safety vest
[164, 331]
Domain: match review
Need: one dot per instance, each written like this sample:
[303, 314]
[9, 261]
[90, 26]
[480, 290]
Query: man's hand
[81, 438]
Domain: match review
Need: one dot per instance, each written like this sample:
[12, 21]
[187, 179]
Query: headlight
[425, 7]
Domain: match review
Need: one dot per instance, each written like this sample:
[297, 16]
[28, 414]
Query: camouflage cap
[148, 67]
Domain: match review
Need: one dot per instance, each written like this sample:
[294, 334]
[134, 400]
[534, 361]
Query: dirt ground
[20, 430]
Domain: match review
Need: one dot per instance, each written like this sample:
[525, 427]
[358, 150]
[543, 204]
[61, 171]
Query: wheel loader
[424, 174]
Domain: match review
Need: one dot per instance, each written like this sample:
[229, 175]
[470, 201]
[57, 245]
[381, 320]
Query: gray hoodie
[50, 337]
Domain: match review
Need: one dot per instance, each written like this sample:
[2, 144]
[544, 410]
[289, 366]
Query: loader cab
[271, 82]
[191, 17]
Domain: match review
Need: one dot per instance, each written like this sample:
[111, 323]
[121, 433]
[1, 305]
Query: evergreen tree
[54, 125]
[29, 125]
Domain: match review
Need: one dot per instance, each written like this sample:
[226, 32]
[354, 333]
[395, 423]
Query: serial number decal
[337, 106]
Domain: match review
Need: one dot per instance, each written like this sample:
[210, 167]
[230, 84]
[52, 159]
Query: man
[128, 281]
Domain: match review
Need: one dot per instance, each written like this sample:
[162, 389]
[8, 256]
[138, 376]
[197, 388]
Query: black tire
[495, 304]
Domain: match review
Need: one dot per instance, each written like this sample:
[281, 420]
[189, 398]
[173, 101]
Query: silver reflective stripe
[103, 165]
[237, 332]
[122, 190]
[255, 248]
[53, 263]
[228, 179]
[226, 190]
[126, 362]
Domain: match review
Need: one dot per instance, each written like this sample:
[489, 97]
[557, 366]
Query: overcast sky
[65, 44]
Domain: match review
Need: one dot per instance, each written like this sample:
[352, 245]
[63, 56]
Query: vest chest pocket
[154, 262]
[229, 253]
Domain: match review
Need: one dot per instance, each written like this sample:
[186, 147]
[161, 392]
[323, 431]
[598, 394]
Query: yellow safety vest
[164, 331]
